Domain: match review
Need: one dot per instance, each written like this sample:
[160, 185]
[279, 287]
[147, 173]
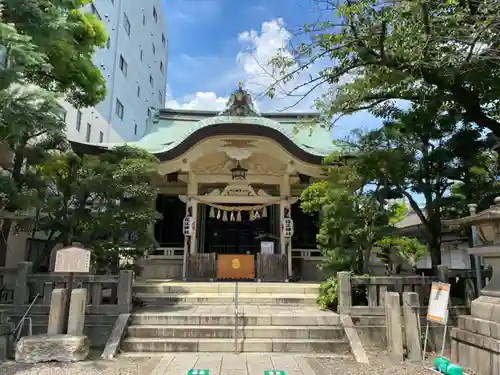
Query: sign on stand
[438, 303]
[267, 247]
[198, 372]
[70, 260]
[274, 372]
[437, 312]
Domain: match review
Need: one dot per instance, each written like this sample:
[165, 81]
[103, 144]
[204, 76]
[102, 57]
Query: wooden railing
[167, 253]
[271, 267]
[359, 295]
[202, 266]
[106, 294]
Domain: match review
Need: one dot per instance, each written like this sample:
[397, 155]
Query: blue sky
[215, 43]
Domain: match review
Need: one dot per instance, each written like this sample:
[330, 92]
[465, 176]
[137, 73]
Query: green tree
[50, 44]
[104, 203]
[352, 217]
[412, 50]
[422, 150]
[68, 37]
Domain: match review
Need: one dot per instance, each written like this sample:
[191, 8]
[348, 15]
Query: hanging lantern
[238, 172]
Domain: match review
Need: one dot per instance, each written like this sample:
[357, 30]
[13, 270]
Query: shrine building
[229, 192]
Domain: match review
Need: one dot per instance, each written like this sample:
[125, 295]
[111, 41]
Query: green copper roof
[166, 134]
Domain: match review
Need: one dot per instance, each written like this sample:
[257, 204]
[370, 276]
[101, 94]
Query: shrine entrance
[238, 233]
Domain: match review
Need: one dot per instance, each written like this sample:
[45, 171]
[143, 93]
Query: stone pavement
[241, 364]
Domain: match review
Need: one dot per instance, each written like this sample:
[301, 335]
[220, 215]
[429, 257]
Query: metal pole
[477, 261]
[425, 341]
[444, 341]
[236, 317]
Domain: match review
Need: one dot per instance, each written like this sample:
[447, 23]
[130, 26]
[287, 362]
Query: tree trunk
[435, 253]
[6, 226]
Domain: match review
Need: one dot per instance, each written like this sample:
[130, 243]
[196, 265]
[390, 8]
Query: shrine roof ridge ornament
[240, 103]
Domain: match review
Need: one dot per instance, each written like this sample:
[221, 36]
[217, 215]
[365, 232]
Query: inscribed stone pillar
[76, 316]
[57, 314]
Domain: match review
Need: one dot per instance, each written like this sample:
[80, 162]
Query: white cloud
[252, 67]
[201, 100]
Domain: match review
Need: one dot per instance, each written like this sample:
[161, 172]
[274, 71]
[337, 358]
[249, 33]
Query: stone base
[477, 352]
[45, 348]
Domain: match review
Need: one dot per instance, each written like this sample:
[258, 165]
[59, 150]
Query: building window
[126, 24]
[108, 43]
[151, 82]
[78, 120]
[138, 91]
[140, 55]
[143, 19]
[154, 49]
[149, 112]
[160, 96]
[155, 15]
[3, 55]
[101, 137]
[61, 113]
[135, 129]
[123, 65]
[94, 11]
[163, 39]
[119, 109]
[161, 66]
[87, 134]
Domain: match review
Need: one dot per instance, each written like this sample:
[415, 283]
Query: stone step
[158, 299]
[313, 319]
[134, 344]
[192, 287]
[217, 331]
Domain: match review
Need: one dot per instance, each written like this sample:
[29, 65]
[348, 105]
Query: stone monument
[476, 340]
[64, 340]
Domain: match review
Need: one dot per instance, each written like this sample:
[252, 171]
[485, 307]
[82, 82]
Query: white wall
[124, 87]
[97, 124]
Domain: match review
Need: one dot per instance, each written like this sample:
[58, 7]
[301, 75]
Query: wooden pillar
[192, 189]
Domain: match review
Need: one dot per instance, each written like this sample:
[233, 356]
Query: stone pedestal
[476, 339]
[46, 348]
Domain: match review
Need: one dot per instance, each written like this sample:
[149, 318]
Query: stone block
[46, 348]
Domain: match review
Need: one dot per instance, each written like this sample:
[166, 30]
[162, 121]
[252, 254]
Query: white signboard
[72, 259]
[188, 226]
[267, 247]
[287, 227]
[438, 303]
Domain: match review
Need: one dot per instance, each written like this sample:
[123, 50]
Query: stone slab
[116, 336]
[235, 364]
[45, 348]
[357, 347]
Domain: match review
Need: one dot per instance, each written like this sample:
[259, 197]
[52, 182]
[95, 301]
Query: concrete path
[231, 364]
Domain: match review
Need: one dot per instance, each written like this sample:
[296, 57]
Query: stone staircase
[199, 317]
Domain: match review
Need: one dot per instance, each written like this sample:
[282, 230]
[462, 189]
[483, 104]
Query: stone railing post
[344, 290]
[21, 289]
[413, 334]
[442, 273]
[394, 325]
[125, 282]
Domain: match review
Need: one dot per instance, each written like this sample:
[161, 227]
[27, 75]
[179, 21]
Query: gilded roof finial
[240, 85]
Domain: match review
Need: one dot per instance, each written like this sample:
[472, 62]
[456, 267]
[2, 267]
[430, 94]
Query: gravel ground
[121, 366]
[380, 364]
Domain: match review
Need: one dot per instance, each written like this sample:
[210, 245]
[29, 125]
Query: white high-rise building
[134, 64]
